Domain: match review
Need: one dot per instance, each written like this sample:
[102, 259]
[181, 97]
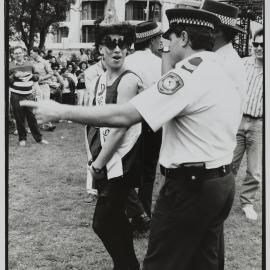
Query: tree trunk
[42, 37]
[25, 37]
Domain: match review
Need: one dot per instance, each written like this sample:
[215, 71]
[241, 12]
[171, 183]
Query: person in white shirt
[147, 65]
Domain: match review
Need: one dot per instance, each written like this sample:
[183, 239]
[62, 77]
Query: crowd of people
[196, 109]
[61, 78]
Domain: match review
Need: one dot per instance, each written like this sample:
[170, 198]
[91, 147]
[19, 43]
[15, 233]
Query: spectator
[49, 55]
[56, 84]
[89, 56]
[81, 89]
[91, 75]
[61, 60]
[43, 68]
[53, 60]
[82, 56]
[71, 68]
[21, 77]
[69, 86]
[249, 136]
[147, 66]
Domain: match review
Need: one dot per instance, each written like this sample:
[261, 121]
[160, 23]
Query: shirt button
[193, 177]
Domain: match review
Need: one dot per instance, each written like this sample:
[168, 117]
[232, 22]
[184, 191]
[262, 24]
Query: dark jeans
[139, 203]
[22, 113]
[187, 227]
[112, 226]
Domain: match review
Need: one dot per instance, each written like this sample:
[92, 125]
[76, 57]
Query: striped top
[254, 98]
[23, 83]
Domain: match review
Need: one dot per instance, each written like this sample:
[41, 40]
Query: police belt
[194, 171]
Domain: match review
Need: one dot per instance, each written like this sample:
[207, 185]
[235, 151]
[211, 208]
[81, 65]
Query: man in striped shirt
[21, 79]
[249, 136]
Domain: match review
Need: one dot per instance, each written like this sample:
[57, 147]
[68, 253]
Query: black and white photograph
[135, 135]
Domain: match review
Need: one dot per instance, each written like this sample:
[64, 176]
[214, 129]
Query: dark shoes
[141, 223]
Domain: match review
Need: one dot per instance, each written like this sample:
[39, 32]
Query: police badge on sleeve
[170, 84]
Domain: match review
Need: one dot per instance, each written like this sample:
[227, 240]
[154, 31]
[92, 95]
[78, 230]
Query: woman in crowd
[81, 82]
[69, 86]
[56, 84]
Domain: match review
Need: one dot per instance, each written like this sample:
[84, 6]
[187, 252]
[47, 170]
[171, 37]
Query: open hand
[45, 111]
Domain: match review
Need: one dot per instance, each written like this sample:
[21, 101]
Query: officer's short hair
[143, 45]
[228, 34]
[200, 37]
[258, 33]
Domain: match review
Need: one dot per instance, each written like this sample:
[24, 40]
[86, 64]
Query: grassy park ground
[49, 225]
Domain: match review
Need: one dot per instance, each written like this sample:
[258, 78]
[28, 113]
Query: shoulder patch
[192, 64]
[170, 84]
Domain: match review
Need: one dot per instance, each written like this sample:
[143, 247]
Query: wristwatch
[96, 170]
[165, 49]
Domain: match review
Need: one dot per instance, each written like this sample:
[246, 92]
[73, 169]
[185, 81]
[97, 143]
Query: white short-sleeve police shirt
[199, 108]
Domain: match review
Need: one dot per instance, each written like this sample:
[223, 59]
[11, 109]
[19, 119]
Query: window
[92, 10]
[135, 10]
[88, 33]
[61, 33]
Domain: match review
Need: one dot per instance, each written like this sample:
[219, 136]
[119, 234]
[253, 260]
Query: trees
[32, 18]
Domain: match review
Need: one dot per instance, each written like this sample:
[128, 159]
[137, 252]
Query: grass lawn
[50, 225]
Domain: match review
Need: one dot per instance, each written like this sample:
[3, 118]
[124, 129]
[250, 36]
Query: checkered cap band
[227, 20]
[192, 21]
[148, 33]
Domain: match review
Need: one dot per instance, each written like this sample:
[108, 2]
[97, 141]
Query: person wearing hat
[235, 66]
[199, 112]
[147, 65]
[224, 35]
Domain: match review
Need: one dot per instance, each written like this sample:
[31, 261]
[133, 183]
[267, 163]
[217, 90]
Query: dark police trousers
[111, 224]
[187, 226]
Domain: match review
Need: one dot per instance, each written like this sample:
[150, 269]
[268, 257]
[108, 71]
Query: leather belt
[201, 172]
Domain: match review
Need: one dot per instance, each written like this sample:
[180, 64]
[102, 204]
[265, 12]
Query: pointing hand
[45, 111]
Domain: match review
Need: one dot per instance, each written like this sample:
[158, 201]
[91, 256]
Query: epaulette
[192, 64]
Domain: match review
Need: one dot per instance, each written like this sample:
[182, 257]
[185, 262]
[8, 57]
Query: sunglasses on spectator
[256, 44]
[112, 44]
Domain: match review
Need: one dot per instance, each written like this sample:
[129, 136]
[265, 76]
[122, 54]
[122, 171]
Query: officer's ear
[184, 39]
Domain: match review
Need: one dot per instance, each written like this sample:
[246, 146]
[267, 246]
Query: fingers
[28, 103]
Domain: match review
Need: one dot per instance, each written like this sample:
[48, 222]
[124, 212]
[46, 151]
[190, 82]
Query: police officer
[199, 108]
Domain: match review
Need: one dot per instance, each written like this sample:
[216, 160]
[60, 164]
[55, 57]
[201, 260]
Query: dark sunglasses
[256, 44]
[112, 44]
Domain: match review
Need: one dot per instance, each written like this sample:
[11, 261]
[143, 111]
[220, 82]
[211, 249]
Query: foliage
[32, 18]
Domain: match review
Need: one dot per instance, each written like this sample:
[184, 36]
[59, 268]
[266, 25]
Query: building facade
[78, 29]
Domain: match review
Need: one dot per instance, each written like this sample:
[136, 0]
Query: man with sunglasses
[191, 105]
[249, 136]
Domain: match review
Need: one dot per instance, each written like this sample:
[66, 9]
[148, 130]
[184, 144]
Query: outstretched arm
[113, 115]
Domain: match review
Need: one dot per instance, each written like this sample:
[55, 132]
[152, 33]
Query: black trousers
[187, 227]
[112, 226]
[139, 203]
[22, 113]
[69, 98]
